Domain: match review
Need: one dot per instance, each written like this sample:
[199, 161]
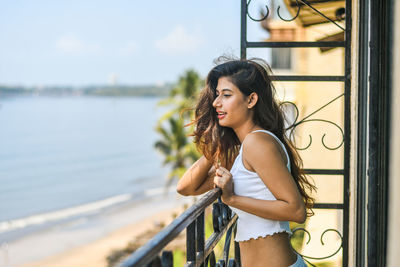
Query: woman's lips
[221, 116]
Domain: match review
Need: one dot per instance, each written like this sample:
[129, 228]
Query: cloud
[129, 48]
[74, 45]
[179, 41]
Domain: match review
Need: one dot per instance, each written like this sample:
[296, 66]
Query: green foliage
[179, 257]
[175, 144]
[325, 264]
[297, 238]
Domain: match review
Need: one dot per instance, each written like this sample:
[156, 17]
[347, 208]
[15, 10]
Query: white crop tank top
[249, 184]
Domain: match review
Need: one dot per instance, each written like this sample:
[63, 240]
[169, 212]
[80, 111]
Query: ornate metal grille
[330, 16]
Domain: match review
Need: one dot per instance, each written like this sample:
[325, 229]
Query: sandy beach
[89, 244]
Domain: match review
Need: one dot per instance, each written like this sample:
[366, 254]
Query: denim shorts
[299, 262]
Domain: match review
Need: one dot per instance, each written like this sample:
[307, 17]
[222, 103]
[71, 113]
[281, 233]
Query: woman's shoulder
[256, 139]
[259, 144]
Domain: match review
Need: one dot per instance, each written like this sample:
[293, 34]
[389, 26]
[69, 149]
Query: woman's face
[230, 104]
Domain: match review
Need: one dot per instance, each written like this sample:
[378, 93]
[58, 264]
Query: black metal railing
[199, 252]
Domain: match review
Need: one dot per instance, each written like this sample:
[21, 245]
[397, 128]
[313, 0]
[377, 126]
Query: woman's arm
[198, 179]
[260, 154]
[279, 210]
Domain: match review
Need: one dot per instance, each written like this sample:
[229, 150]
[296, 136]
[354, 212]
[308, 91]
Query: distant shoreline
[116, 90]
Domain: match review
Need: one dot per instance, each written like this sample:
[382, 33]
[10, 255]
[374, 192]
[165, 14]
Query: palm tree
[179, 151]
[183, 96]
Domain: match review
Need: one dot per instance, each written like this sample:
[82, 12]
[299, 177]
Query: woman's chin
[222, 124]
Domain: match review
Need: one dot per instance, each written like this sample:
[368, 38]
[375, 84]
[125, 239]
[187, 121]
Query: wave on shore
[10, 225]
[7, 226]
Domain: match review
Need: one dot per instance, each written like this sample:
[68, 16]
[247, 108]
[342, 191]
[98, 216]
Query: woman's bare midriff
[273, 250]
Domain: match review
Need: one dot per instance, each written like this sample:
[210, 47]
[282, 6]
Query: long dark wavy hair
[220, 144]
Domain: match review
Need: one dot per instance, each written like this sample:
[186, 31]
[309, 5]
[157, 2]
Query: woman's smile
[221, 114]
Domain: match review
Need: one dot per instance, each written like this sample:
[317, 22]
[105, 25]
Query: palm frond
[178, 149]
[164, 147]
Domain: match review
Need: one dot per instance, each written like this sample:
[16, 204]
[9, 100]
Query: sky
[128, 42]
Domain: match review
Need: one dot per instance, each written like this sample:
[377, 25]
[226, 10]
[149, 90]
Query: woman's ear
[252, 100]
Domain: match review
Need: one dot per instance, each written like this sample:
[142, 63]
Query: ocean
[68, 157]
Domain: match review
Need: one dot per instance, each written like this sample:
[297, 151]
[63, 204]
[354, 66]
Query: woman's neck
[245, 129]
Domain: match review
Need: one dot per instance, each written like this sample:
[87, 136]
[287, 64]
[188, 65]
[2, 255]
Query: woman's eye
[225, 95]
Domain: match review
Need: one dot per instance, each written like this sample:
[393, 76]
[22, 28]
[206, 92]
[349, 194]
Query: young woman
[239, 128]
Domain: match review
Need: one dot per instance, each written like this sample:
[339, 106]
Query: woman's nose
[216, 102]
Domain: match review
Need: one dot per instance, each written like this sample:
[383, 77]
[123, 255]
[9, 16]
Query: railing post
[191, 242]
[200, 237]
[237, 255]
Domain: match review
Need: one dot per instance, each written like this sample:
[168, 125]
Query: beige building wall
[353, 137]
[311, 96]
[308, 97]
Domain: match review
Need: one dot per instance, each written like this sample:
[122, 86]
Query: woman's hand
[223, 180]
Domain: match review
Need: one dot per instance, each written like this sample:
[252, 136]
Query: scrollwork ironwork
[296, 123]
[297, 13]
[307, 258]
[165, 260]
[299, 5]
[257, 20]
[222, 214]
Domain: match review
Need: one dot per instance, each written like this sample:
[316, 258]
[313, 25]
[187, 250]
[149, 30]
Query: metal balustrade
[199, 252]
